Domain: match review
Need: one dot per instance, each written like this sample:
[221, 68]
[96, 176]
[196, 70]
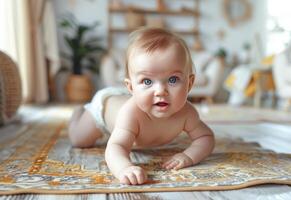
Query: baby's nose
[161, 90]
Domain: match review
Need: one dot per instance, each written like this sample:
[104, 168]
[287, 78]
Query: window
[278, 25]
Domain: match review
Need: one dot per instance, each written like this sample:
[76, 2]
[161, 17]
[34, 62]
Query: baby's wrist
[190, 159]
[123, 169]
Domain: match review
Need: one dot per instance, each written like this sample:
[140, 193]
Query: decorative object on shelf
[10, 89]
[221, 53]
[237, 11]
[188, 10]
[84, 53]
[155, 22]
[134, 19]
[197, 45]
[116, 4]
[161, 6]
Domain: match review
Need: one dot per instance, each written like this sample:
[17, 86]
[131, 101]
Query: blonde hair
[151, 39]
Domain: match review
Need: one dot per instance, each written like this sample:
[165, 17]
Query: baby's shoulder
[127, 117]
[192, 116]
[129, 108]
[190, 110]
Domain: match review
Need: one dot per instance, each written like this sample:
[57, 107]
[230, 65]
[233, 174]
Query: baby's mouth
[161, 104]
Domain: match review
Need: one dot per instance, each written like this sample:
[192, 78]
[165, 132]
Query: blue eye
[147, 81]
[173, 79]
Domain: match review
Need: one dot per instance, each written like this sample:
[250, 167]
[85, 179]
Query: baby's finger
[132, 178]
[124, 180]
[179, 165]
[166, 163]
[172, 164]
[184, 163]
[140, 176]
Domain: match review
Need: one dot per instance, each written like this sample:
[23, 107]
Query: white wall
[235, 37]
[86, 11]
[212, 21]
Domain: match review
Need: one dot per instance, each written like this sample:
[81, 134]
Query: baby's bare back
[152, 132]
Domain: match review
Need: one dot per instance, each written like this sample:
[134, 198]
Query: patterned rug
[39, 159]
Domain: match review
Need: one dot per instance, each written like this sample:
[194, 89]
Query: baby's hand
[178, 161]
[132, 175]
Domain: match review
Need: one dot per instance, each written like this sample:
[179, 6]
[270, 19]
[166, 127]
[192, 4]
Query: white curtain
[13, 21]
[22, 27]
[49, 27]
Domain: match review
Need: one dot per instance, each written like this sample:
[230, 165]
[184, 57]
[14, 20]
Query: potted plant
[221, 54]
[85, 52]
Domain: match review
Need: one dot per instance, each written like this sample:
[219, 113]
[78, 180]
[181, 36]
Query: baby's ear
[128, 84]
[191, 81]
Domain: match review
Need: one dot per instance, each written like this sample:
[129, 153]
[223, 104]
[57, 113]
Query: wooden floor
[270, 135]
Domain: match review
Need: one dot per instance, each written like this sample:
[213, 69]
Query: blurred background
[63, 51]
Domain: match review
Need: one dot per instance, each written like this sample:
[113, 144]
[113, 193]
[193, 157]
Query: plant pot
[79, 89]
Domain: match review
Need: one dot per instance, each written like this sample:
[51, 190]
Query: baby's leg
[82, 129]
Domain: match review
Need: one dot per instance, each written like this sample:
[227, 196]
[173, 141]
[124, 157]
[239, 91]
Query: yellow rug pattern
[40, 159]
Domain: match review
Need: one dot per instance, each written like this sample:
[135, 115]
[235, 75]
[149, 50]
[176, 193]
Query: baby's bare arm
[118, 148]
[82, 129]
[118, 160]
[201, 146]
[202, 143]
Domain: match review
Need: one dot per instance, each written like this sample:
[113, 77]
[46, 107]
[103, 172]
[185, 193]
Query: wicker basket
[79, 89]
[10, 88]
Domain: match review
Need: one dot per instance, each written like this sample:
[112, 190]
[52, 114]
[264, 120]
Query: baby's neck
[160, 119]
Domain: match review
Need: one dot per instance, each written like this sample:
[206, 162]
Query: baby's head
[159, 71]
[148, 40]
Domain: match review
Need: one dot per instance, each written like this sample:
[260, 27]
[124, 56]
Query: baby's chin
[158, 114]
[161, 115]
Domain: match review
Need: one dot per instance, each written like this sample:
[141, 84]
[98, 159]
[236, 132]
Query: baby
[158, 77]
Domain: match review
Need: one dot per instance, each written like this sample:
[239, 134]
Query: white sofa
[209, 73]
[282, 76]
[208, 77]
[112, 69]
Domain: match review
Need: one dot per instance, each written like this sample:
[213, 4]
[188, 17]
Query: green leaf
[85, 51]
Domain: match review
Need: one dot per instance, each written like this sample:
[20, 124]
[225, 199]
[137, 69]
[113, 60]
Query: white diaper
[96, 106]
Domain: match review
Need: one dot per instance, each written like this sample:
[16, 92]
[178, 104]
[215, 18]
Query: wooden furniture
[137, 15]
[260, 83]
[264, 83]
[10, 89]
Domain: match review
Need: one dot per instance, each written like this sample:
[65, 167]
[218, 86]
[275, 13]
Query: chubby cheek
[143, 99]
[179, 98]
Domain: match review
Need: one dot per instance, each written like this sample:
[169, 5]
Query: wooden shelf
[158, 12]
[162, 13]
[128, 30]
